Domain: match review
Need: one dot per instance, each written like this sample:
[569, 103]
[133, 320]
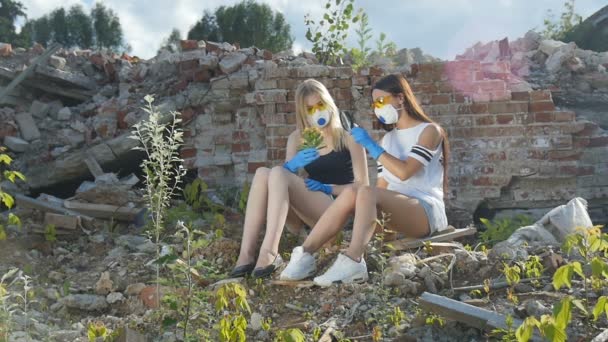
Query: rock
[559, 57]
[548, 46]
[27, 126]
[127, 334]
[16, 144]
[104, 285]
[506, 250]
[85, 302]
[394, 279]
[208, 61]
[131, 241]
[232, 62]
[64, 114]
[134, 289]
[115, 297]
[188, 45]
[71, 137]
[64, 335]
[39, 109]
[256, 321]
[535, 308]
[222, 282]
[429, 282]
[52, 294]
[57, 62]
[149, 297]
[523, 288]
[531, 40]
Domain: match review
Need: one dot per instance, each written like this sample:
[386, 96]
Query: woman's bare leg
[255, 215]
[285, 189]
[332, 221]
[406, 216]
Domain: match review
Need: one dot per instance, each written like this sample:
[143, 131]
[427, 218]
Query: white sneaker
[344, 270]
[301, 265]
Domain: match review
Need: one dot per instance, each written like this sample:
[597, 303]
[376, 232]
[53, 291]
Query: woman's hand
[362, 138]
[314, 185]
[301, 159]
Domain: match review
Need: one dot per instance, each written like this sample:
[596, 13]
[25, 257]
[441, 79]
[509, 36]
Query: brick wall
[510, 149]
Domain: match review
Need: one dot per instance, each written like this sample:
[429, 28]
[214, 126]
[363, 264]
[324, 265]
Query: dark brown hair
[397, 84]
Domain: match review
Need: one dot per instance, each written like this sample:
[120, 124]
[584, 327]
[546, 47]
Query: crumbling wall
[511, 146]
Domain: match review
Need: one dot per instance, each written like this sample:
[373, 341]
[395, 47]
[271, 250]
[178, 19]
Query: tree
[42, 30]
[568, 20]
[360, 54]
[108, 32]
[205, 29]
[10, 10]
[59, 23]
[247, 23]
[80, 27]
[171, 43]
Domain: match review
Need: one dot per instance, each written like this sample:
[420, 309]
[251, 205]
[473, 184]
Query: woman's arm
[359, 162]
[430, 138]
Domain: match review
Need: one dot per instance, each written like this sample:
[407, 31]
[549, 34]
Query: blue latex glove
[362, 138]
[301, 159]
[314, 185]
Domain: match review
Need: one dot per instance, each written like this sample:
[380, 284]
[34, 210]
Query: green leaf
[166, 259]
[524, 332]
[6, 159]
[7, 199]
[169, 322]
[563, 313]
[14, 220]
[579, 305]
[600, 307]
[599, 268]
[578, 268]
[563, 277]
[2, 233]
[293, 335]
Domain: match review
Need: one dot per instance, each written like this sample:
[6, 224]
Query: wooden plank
[105, 211]
[61, 221]
[410, 243]
[93, 166]
[458, 311]
[25, 201]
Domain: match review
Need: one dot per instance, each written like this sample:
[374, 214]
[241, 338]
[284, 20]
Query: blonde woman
[279, 196]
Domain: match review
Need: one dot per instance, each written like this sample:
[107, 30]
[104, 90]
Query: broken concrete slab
[27, 126]
[232, 62]
[64, 114]
[57, 62]
[16, 144]
[61, 221]
[39, 109]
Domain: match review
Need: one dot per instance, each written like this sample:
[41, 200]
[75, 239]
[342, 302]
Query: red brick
[565, 155]
[289, 107]
[497, 156]
[540, 95]
[149, 297]
[188, 65]
[360, 81]
[598, 141]
[504, 119]
[580, 142]
[343, 83]
[187, 152]
[277, 142]
[240, 135]
[240, 147]
[428, 88]
[484, 120]
[180, 86]
[564, 116]
[543, 117]
[188, 45]
[267, 55]
[537, 154]
[203, 76]
[187, 133]
[544, 106]
[474, 108]
[440, 99]
[187, 115]
[520, 96]
[252, 167]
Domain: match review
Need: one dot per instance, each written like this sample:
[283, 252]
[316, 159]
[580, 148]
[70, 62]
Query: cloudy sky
[442, 28]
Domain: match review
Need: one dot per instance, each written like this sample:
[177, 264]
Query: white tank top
[427, 183]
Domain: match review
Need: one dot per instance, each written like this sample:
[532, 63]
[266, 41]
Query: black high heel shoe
[241, 271]
[264, 272]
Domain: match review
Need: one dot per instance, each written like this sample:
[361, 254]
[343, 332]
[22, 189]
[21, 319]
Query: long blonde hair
[310, 87]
